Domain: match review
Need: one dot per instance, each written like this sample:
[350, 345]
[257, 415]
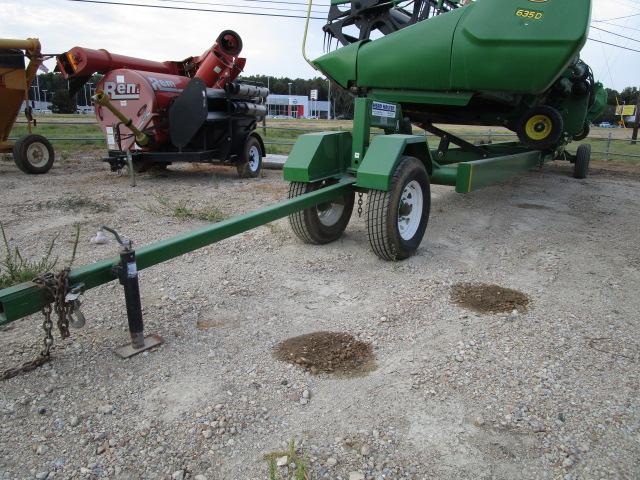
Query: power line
[616, 34]
[240, 6]
[261, 14]
[166, 7]
[257, 1]
[621, 26]
[619, 18]
[614, 45]
[633, 4]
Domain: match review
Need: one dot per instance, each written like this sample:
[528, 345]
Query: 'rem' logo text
[163, 85]
[122, 90]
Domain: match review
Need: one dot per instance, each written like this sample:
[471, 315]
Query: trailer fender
[384, 153]
[318, 156]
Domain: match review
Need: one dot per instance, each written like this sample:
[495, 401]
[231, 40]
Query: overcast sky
[271, 45]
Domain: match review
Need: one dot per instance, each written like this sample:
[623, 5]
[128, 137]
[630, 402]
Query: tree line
[628, 96]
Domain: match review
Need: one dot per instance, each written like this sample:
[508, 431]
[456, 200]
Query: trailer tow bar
[27, 298]
[127, 272]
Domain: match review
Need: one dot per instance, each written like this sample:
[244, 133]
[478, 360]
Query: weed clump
[299, 471]
[76, 203]
[182, 211]
[14, 268]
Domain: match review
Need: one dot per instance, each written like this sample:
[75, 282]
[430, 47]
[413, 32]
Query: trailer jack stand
[127, 273]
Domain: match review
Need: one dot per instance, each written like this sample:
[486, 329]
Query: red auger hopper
[163, 112]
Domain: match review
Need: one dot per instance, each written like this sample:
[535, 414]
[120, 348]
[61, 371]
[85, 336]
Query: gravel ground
[551, 392]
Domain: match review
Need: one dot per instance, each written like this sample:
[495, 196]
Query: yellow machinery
[32, 153]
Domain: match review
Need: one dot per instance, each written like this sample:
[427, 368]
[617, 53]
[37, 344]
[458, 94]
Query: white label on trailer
[111, 140]
[123, 103]
[217, 69]
[119, 78]
[379, 109]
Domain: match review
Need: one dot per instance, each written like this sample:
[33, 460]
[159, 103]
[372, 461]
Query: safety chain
[56, 286]
[360, 204]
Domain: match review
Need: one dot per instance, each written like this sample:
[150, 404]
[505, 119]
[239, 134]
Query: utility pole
[634, 137]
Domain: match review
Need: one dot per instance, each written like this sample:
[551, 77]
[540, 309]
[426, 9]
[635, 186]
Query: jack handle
[126, 244]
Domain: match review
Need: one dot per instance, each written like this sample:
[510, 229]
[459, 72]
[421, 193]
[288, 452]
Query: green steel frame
[355, 159]
[27, 298]
[372, 160]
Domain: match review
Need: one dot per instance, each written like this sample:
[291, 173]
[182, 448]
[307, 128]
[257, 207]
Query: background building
[296, 106]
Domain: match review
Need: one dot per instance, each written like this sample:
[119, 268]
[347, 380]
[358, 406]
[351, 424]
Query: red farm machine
[156, 113]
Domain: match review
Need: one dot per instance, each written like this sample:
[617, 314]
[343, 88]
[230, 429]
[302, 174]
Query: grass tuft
[76, 203]
[182, 211]
[301, 471]
[14, 268]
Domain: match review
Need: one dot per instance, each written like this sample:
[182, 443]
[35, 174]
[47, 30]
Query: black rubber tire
[583, 134]
[556, 128]
[307, 224]
[21, 154]
[245, 169]
[16, 153]
[581, 165]
[383, 211]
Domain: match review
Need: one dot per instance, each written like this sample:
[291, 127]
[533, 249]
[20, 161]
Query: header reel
[385, 16]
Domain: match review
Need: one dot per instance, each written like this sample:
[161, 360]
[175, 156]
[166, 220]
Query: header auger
[491, 62]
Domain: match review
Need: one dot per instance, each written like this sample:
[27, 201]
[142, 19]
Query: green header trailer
[513, 64]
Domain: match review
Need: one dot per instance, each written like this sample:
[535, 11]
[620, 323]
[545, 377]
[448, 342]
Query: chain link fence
[279, 139]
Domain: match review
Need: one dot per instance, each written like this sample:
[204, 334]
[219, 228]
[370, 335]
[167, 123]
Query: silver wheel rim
[329, 213]
[37, 155]
[254, 158]
[410, 210]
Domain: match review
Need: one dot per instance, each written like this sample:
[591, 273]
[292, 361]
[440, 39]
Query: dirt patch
[532, 206]
[328, 352]
[616, 166]
[483, 298]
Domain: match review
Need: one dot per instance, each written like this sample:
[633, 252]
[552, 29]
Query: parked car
[605, 125]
